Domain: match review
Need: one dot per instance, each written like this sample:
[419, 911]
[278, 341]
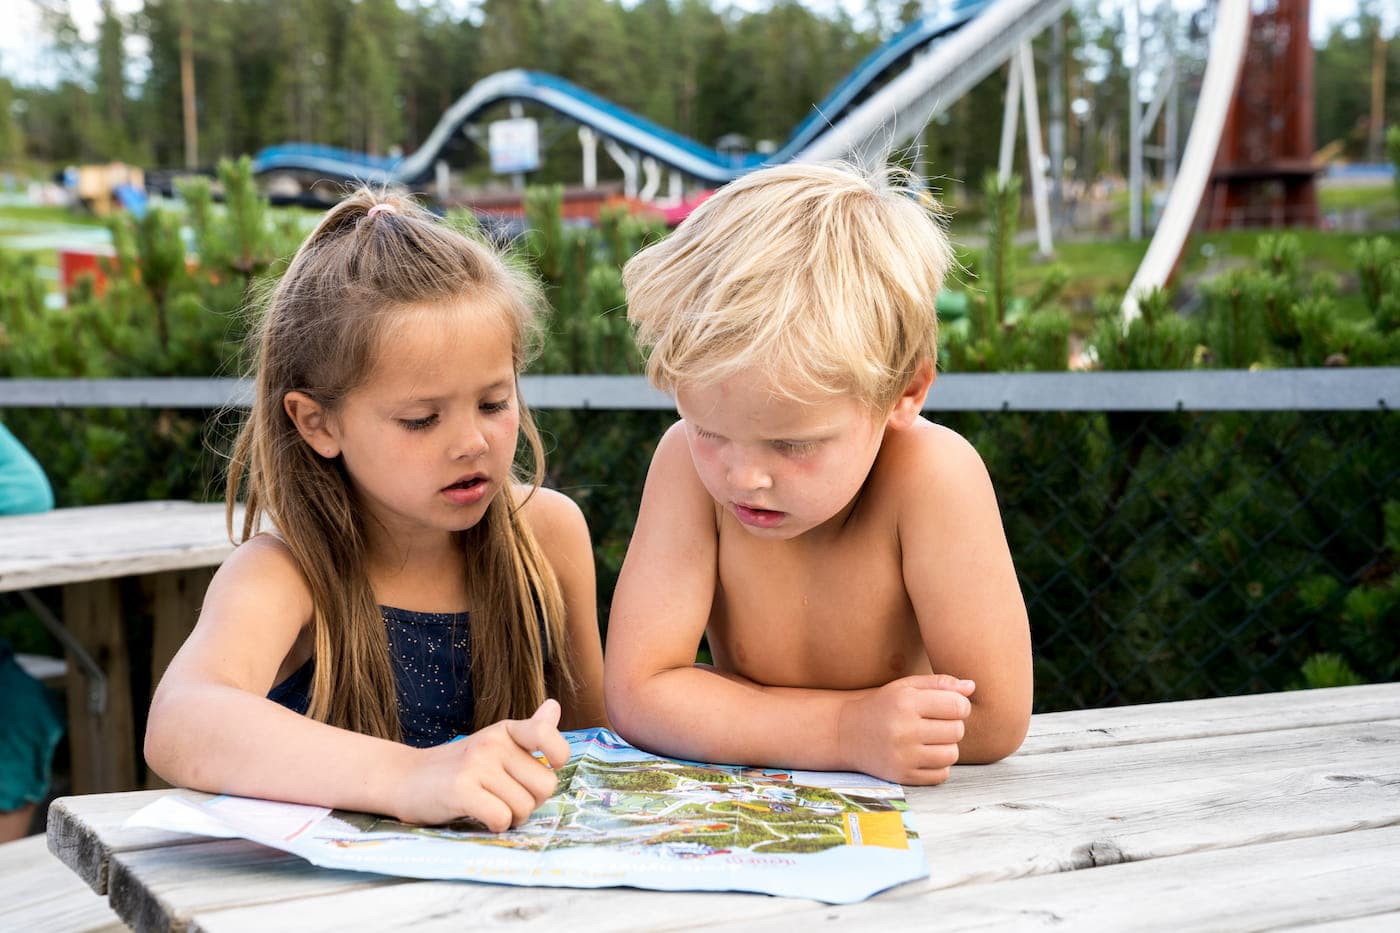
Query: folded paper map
[621, 816]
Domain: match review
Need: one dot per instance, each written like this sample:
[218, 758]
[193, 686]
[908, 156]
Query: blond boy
[844, 556]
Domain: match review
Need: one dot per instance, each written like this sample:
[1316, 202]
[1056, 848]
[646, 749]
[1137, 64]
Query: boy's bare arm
[659, 699]
[961, 581]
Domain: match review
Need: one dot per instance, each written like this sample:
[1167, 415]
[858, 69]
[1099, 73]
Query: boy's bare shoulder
[928, 460]
[672, 451]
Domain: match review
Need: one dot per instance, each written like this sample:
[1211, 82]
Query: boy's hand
[492, 776]
[908, 730]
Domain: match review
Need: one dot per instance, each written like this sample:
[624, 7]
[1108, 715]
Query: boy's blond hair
[817, 273]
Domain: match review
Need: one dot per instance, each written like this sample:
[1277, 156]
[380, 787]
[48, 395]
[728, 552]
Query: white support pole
[1008, 119]
[1134, 53]
[651, 171]
[1056, 134]
[1035, 154]
[442, 178]
[588, 139]
[676, 194]
[1173, 108]
[517, 179]
[1165, 87]
[625, 162]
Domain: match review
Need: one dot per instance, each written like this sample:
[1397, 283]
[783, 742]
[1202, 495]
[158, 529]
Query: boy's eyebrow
[815, 434]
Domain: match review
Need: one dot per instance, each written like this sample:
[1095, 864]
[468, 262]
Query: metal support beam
[588, 139]
[624, 161]
[651, 171]
[1035, 155]
[1009, 114]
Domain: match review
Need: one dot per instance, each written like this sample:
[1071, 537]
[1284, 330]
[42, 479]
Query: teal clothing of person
[23, 486]
[30, 727]
[29, 733]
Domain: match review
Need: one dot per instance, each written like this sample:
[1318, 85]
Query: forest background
[375, 75]
[1163, 555]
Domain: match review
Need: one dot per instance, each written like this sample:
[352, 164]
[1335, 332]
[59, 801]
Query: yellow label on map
[884, 829]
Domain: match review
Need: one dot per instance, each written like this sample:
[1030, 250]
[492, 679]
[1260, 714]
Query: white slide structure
[895, 114]
[1228, 40]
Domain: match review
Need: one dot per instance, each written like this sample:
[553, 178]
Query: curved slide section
[893, 115]
[1228, 41]
[625, 127]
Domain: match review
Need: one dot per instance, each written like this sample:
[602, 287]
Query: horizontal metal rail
[1351, 389]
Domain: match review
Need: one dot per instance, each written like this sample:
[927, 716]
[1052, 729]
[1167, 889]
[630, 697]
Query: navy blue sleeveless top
[431, 654]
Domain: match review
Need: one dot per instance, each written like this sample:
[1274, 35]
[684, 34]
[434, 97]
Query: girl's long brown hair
[320, 332]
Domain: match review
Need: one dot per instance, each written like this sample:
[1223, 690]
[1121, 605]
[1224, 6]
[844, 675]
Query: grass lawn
[42, 231]
[1103, 268]
[1380, 203]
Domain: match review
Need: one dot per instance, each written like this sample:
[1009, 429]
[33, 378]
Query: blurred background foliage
[1164, 555]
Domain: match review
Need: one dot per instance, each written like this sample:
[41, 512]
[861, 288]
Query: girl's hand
[908, 730]
[491, 776]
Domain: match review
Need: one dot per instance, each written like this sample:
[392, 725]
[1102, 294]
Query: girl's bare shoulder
[548, 510]
[265, 568]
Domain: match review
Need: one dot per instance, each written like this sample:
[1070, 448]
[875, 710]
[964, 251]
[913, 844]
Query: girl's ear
[312, 422]
[911, 400]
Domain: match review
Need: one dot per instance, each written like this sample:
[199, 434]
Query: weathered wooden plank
[157, 889]
[1156, 722]
[466, 905]
[1023, 817]
[1261, 886]
[103, 541]
[38, 892]
[1387, 922]
[84, 832]
[1017, 779]
[102, 744]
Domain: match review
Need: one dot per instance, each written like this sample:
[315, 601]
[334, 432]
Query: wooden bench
[162, 552]
[38, 892]
[1261, 812]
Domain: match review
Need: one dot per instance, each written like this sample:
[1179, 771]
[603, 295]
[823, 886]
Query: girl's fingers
[540, 733]
[516, 797]
[491, 811]
[531, 774]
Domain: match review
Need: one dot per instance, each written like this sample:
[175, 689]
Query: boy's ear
[312, 422]
[911, 400]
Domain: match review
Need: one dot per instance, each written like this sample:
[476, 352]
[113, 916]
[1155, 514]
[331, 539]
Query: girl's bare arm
[212, 728]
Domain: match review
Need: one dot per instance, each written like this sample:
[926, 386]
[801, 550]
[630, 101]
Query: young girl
[408, 589]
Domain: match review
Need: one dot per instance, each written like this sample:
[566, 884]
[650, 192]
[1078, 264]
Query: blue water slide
[618, 123]
[895, 53]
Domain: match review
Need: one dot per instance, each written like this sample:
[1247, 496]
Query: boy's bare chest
[836, 617]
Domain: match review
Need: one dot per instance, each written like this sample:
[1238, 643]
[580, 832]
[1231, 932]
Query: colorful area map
[621, 816]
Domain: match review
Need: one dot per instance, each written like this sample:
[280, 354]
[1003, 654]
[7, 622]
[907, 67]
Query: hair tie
[385, 208]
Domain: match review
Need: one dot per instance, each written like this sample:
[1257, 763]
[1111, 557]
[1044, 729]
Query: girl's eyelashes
[427, 421]
[418, 424]
[795, 448]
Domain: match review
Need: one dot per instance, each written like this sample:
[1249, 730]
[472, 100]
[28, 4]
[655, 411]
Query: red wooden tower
[1264, 173]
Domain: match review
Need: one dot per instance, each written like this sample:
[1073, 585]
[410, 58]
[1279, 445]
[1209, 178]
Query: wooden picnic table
[163, 552]
[1276, 810]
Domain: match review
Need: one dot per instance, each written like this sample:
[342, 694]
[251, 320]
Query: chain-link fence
[1176, 535]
